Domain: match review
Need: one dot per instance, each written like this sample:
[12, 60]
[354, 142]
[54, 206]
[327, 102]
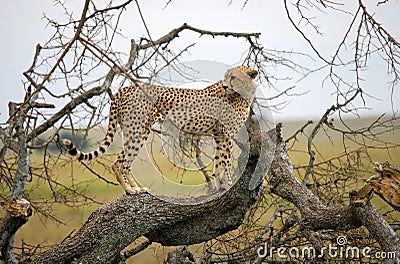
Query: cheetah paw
[137, 190]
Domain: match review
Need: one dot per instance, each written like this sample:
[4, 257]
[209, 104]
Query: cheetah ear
[252, 73]
[240, 82]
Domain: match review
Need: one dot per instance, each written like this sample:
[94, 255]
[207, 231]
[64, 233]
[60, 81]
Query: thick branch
[316, 216]
[13, 220]
[8, 228]
[117, 224]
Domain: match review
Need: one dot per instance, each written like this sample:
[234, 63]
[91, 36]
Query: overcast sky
[23, 26]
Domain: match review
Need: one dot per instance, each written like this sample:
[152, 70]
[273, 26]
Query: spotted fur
[218, 111]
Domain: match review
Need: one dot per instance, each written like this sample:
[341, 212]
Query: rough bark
[180, 256]
[386, 183]
[8, 228]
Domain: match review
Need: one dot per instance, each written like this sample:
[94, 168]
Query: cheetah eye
[232, 78]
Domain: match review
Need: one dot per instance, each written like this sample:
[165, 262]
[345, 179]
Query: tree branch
[175, 33]
[63, 111]
[316, 216]
[117, 224]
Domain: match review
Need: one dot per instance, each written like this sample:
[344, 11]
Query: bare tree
[307, 205]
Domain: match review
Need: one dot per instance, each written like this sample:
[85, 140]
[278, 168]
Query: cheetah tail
[73, 151]
[105, 144]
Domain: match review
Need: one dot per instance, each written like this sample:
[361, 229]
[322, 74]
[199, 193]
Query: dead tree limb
[117, 224]
[386, 183]
[316, 216]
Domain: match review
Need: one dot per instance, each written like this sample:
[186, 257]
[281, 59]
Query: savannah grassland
[48, 231]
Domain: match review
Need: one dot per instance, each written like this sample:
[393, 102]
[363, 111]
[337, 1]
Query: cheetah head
[241, 80]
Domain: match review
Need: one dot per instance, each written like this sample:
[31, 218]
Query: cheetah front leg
[123, 175]
[222, 162]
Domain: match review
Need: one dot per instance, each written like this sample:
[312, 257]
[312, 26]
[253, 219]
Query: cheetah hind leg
[123, 175]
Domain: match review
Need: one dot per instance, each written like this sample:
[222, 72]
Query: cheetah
[219, 111]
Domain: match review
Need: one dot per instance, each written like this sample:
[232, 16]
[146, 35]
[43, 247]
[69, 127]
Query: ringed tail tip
[67, 143]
